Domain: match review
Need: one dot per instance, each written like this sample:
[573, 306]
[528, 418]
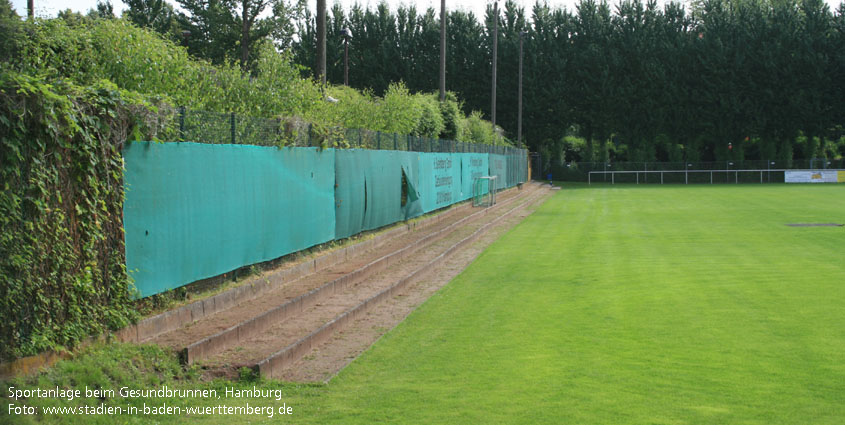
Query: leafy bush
[450, 109]
[139, 60]
[398, 113]
[89, 50]
[476, 130]
[573, 148]
[430, 123]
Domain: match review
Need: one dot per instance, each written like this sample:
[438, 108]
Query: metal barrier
[764, 175]
[580, 171]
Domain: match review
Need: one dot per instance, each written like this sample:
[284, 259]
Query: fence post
[378, 140]
[309, 134]
[182, 124]
[232, 122]
[395, 142]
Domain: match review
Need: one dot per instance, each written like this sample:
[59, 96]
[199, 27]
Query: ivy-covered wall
[62, 273]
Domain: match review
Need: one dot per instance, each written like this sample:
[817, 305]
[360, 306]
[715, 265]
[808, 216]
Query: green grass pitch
[626, 304]
[618, 305]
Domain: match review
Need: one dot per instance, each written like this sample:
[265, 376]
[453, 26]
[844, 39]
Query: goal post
[484, 191]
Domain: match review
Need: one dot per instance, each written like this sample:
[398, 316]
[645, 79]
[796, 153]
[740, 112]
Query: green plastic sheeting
[369, 185]
[194, 211]
[441, 180]
[498, 168]
[516, 169]
[473, 166]
[369, 190]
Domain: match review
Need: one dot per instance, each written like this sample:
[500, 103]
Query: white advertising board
[811, 176]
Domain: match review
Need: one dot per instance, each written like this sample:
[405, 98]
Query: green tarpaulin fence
[194, 211]
[440, 180]
[498, 168]
[369, 189]
[473, 166]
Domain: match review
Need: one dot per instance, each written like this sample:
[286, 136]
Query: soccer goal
[484, 191]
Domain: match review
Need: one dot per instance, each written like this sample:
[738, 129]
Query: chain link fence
[189, 125]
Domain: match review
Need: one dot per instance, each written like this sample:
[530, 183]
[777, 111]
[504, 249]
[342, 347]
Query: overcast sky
[52, 7]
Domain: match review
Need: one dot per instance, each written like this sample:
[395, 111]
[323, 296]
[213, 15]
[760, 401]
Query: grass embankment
[690, 304]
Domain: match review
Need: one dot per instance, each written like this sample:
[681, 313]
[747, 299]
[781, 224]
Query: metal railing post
[182, 124]
[232, 123]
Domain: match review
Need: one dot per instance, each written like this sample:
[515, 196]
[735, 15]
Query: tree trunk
[244, 33]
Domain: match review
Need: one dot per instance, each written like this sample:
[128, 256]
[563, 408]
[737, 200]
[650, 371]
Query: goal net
[484, 191]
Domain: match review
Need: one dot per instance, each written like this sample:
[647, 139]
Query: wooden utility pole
[442, 50]
[495, 53]
[519, 118]
[347, 34]
[30, 9]
[346, 62]
[321, 41]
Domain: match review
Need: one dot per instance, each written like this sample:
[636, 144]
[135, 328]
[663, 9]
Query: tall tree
[221, 30]
[9, 30]
[592, 67]
[104, 9]
[155, 14]
[662, 83]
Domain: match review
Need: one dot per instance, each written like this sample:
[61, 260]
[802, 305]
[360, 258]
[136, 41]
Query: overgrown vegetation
[101, 367]
[87, 50]
[61, 205]
[110, 367]
[138, 60]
